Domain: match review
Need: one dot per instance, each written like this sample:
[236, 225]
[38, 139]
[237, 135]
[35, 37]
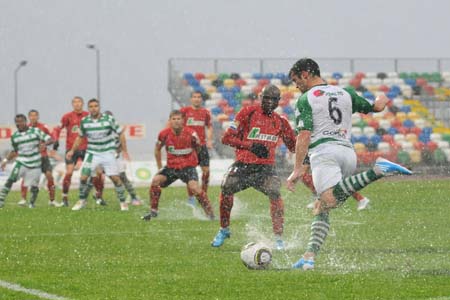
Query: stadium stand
[406, 132]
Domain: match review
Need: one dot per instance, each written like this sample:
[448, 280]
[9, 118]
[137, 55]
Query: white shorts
[30, 176]
[107, 161]
[331, 163]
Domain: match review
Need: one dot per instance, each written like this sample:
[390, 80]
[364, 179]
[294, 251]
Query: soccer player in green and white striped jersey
[323, 120]
[100, 131]
[26, 143]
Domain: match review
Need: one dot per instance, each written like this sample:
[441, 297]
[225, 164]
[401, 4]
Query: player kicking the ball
[100, 131]
[181, 144]
[255, 134]
[323, 119]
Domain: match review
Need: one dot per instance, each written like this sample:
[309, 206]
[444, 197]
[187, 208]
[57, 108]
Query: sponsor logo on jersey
[255, 134]
[339, 132]
[75, 129]
[193, 122]
[318, 93]
[172, 150]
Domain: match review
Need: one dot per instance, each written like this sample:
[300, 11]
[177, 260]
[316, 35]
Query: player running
[100, 132]
[27, 143]
[181, 145]
[46, 167]
[255, 134]
[323, 119]
[199, 119]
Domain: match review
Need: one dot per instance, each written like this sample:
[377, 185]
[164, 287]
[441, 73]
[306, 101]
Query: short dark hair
[196, 92]
[93, 100]
[108, 112]
[78, 97]
[175, 112]
[20, 116]
[33, 111]
[305, 64]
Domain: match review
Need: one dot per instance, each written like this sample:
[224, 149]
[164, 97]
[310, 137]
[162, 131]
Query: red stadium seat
[199, 76]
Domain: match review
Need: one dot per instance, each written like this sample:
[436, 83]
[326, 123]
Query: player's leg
[334, 188]
[87, 170]
[23, 194]
[162, 179]
[267, 182]
[135, 201]
[31, 179]
[70, 165]
[47, 169]
[235, 180]
[109, 163]
[190, 176]
[203, 160]
[98, 182]
[16, 173]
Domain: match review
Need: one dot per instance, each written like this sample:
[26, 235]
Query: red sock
[99, 184]
[23, 190]
[205, 181]
[155, 193]
[308, 181]
[357, 196]
[226, 204]
[205, 203]
[66, 185]
[277, 214]
[190, 193]
[51, 188]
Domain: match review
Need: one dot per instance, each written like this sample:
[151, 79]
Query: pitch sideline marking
[40, 294]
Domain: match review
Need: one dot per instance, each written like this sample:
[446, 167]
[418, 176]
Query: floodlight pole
[97, 55]
[23, 63]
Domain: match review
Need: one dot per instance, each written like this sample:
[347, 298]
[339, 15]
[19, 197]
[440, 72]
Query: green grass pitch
[398, 249]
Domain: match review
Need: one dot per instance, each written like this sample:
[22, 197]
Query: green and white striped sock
[120, 190]
[347, 186]
[319, 231]
[3, 193]
[84, 190]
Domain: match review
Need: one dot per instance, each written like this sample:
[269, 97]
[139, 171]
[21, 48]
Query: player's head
[94, 107]
[176, 119]
[196, 99]
[108, 112]
[304, 72]
[21, 122]
[77, 103]
[270, 96]
[33, 115]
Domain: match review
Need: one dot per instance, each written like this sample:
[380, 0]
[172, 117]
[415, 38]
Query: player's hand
[126, 156]
[3, 165]
[209, 144]
[56, 145]
[259, 150]
[69, 155]
[293, 179]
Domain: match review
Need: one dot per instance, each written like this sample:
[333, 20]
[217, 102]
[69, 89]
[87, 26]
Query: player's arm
[233, 135]
[288, 135]
[209, 131]
[196, 145]
[123, 145]
[9, 156]
[57, 131]
[77, 142]
[304, 127]
[158, 155]
[363, 105]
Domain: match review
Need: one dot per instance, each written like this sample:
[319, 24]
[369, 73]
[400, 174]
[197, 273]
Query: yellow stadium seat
[416, 156]
[411, 137]
[229, 83]
[211, 76]
[359, 147]
[413, 115]
[211, 89]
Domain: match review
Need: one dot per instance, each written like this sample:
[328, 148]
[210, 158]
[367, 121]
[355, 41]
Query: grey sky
[137, 38]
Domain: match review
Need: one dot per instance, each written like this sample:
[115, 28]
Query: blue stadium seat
[257, 76]
[235, 89]
[222, 89]
[216, 110]
[337, 75]
[424, 138]
[375, 139]
[280, 76]
[288, 110]
[363, 139]
[391, 95]
[395, 89]
[427, 130]
[199, 89]
[405, 108]
[392, 131]
[368, 95]
[188, 76]
[268, 75]
[408, 123]
[231, 117]
[411, 82]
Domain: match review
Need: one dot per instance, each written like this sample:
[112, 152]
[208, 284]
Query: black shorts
[241, 176]
[46, 166]
[185, 175]
[203, 156]
[79, 154]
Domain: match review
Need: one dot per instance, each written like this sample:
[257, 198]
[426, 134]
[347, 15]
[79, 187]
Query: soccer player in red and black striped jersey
[181, 145]
[254, 134]
[199, 118]
[46, 167]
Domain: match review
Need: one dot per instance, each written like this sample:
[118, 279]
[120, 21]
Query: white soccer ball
[256, 256]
